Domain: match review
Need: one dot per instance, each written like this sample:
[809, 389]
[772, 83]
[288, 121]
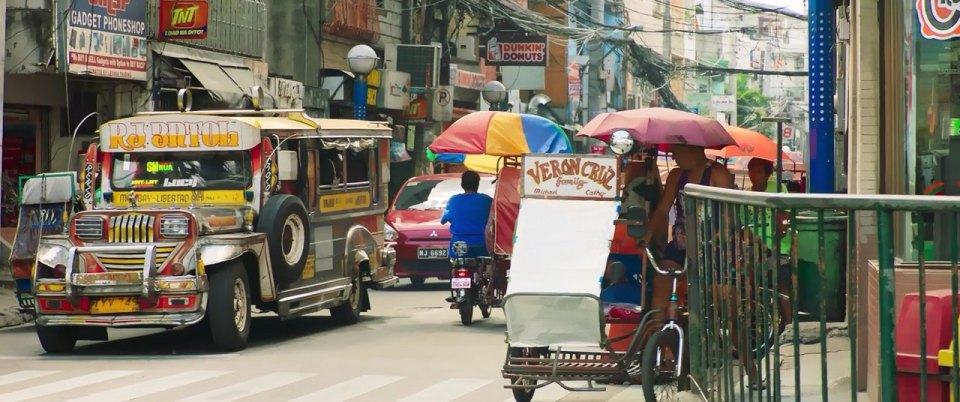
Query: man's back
[468, 214]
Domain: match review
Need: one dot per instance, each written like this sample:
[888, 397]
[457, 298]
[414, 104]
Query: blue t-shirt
[468, 215]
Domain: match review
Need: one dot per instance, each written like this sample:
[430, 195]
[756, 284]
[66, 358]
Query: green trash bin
[833, 284]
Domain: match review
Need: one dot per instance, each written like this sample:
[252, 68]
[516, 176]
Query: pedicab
[556, 315]
[46, 202]
[505, 137]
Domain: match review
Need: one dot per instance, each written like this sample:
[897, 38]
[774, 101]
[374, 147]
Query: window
[427, 195]
[358, 167]
[931, 151]
[183, 170]
[330, 163]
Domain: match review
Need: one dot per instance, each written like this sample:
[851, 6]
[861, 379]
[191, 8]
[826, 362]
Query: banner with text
[108, 38]
[510, 49]
[592, 177]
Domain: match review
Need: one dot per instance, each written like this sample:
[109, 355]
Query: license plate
[460, 283]
[431, 253]
[114, 305]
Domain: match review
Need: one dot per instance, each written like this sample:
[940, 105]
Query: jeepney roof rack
[235, 112]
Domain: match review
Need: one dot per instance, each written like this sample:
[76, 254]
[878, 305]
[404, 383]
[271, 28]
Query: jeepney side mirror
[287, 165]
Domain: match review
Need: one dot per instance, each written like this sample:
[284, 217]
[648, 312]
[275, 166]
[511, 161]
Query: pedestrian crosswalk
[226, 385]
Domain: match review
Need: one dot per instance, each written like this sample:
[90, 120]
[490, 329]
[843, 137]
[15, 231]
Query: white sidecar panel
[553, 320]
[559, 255]
[52, 188]
[561, 246]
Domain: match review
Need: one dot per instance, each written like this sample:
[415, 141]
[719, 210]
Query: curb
[10, 317]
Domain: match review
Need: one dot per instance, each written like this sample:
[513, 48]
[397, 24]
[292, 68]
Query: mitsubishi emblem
[433, 233]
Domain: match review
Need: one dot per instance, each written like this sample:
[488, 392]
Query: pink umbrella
[660, 126]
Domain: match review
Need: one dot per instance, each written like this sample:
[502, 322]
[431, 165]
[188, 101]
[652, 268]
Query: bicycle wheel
[661, 381]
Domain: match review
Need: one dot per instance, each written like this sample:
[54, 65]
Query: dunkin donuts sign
[516, 50]
[939, 19]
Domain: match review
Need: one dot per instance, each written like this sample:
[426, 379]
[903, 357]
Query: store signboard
[183, 19]
[512, 49]
[938, 19]
[107, 39]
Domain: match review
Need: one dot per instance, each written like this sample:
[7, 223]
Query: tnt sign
[183, 19]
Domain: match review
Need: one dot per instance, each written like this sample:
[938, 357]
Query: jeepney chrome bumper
[143, 284]
[166, 320]
[388, 255]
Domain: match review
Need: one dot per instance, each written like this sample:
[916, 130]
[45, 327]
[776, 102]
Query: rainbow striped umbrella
[477, 163]
[501, 134]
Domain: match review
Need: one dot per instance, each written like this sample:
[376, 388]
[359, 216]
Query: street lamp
[494, 93]
[362, 59]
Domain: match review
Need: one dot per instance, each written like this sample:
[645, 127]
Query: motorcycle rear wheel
[466, 309]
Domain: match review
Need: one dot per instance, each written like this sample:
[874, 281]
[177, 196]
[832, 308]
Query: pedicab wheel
[523, 395]
[56, 339]
[228, 309]
[660, 381]
[418, 281]
[485, 310]
[466, 309]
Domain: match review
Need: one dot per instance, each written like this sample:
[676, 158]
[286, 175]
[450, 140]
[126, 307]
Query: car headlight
[175, 226]
[389, 233]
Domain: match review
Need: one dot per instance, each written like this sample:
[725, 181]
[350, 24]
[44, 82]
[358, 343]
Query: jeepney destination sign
[570, 176]
[177, 133]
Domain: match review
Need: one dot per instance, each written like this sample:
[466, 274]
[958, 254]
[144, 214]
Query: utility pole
[421, 165]
[597, 92]
[667, 35]
[3, 69]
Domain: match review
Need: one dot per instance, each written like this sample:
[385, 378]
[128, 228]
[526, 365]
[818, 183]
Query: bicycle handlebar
[656, 267]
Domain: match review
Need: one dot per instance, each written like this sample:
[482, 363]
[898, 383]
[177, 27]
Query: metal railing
[770, 274]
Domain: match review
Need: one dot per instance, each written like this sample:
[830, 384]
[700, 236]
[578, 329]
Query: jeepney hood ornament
[132, 198]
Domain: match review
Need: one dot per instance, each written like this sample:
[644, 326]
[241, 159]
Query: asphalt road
[411, 347]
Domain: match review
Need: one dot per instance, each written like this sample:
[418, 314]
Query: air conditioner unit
[467, 49]
[422, 62]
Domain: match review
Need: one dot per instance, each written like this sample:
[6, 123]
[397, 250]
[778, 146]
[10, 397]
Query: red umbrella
[660, 126]
[751, 144]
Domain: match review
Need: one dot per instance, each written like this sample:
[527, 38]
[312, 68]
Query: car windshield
[229, 170]
[428, 195]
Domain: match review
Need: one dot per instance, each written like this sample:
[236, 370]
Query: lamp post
[362, 59]
[494, 92]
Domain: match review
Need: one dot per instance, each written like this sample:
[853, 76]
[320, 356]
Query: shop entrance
[21, 129]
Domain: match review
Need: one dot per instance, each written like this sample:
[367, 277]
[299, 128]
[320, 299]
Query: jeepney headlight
[174, 226]
[89, 227]
[389, 233]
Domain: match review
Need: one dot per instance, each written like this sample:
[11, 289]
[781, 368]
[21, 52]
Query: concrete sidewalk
[9, 316]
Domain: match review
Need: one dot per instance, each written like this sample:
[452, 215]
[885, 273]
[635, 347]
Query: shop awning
[216, 81]
[227, 79]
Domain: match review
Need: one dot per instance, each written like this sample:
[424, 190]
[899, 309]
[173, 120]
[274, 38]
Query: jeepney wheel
[284, 221]
[523, 395]
[228, 310]
[348, 313]
[57, 339]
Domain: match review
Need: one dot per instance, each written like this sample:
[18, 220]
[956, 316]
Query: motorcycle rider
[468, 214]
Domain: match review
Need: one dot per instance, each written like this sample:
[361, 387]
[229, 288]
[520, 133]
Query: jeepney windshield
[221, 170]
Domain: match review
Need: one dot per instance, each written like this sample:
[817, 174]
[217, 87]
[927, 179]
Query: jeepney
[199, 216]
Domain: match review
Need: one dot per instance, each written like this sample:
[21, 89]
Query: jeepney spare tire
[284, 221]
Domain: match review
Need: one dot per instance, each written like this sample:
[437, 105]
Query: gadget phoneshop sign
[107, 38]
[516, 50]
[570, 176]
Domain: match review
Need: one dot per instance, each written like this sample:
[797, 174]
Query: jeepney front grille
[121, 261]
[131, 228]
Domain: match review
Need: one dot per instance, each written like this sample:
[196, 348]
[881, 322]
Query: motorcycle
[469, 283]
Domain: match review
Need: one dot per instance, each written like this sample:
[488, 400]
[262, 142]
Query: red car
[413, 224]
